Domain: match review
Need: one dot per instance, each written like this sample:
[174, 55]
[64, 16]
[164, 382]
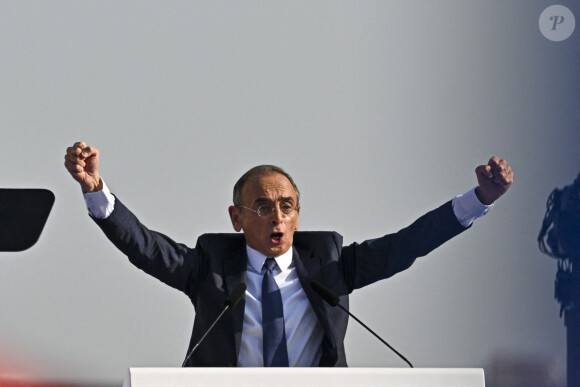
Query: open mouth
[276, 237]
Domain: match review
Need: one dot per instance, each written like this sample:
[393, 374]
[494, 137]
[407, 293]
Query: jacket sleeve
[375, 259]
[173, 263]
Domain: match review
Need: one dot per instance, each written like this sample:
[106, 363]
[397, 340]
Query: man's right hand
[82, 162]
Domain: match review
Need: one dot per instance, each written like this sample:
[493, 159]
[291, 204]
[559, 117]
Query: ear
[235, 217]
[297, 217]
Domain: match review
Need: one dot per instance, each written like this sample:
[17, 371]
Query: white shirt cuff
[467, 208]
[100, 204]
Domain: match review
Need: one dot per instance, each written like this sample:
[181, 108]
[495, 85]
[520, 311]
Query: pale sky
[381, 110]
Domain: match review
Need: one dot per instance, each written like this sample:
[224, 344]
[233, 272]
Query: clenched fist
[82, 162]
[494, 180]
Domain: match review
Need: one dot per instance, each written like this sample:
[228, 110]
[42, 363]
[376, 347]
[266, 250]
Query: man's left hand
[494, 180]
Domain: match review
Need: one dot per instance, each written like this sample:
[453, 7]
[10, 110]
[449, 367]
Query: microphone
[235, 296]
[333, 300]
[232, 300]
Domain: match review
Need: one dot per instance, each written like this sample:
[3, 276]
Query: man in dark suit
[266, 207]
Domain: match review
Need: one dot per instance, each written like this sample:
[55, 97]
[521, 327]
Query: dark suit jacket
[209, 272]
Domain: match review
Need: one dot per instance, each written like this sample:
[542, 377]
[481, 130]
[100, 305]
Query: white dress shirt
[303, 331]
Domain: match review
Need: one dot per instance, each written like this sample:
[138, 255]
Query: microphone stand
[333, 300]
[377, 336]
[230, 302]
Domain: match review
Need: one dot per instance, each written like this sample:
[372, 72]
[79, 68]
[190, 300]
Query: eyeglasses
[267, 209]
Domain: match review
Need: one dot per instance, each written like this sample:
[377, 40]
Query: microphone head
[325, 293]
[235, 295]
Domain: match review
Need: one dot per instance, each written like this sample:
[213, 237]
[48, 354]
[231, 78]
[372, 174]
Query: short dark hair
[260, 170]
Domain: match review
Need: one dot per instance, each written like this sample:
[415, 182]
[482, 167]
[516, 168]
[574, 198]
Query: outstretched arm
[153, 252]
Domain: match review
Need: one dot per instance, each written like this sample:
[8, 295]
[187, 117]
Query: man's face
[273, 234]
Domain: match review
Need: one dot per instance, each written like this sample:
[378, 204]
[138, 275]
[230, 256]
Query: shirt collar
[256, 259]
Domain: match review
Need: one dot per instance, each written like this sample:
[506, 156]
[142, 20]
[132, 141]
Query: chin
[275, 252]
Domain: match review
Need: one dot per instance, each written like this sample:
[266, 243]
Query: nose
[277, 215]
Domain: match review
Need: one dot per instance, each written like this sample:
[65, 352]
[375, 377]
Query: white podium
[304, 377]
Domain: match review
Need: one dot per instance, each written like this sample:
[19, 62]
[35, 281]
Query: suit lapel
[235, 273]
[308, 269]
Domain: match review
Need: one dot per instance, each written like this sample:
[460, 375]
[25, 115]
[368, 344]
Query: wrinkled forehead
[267, 188]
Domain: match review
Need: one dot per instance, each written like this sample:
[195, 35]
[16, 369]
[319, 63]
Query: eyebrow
[266, 200]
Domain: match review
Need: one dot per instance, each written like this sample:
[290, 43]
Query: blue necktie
[274, 336]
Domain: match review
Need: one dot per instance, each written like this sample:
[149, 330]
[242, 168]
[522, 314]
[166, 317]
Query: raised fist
[82, 162]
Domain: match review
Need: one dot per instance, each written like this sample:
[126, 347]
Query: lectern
[304, 377]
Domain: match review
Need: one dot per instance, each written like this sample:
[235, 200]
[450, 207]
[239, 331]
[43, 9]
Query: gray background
[380, 110]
